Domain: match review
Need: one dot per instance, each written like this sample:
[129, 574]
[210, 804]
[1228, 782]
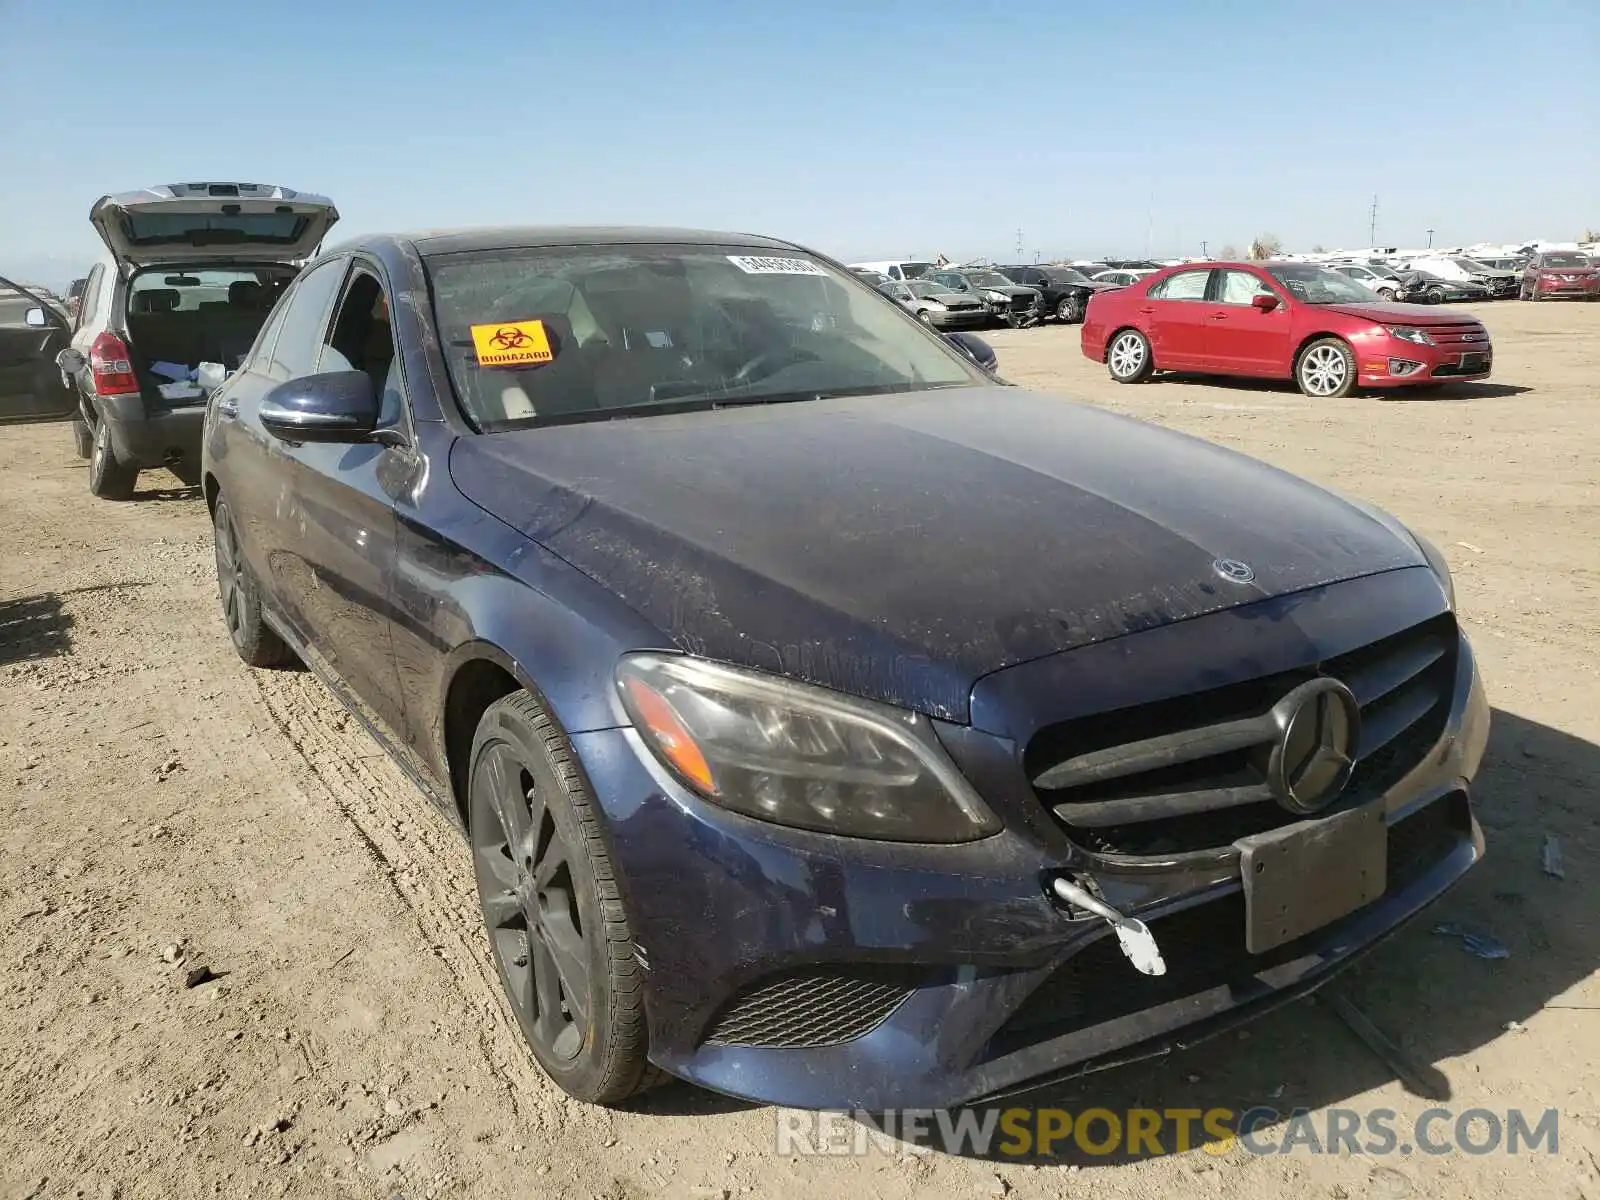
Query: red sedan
[1280, 320]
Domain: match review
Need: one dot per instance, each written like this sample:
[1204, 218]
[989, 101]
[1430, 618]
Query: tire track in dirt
[421, 856]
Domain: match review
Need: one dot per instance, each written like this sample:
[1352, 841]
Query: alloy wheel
[1127, 355]
[229, 587]
[1323, 370]
[530, 905]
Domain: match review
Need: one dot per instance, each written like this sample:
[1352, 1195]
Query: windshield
[915, 270]
[1565, 260]
[1066, 275]
[926, 288]
[538, 336]
[1471, 265]
[989, 279]
[1315, 285]
[899, 291]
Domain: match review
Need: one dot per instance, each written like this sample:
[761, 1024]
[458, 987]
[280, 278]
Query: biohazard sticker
[512, 344]
[755, 264]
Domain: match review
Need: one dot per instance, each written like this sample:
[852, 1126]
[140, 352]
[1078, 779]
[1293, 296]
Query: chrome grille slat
[1102, 814]
[1152, 753]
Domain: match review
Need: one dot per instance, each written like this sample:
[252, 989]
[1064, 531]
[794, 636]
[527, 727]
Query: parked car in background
[1386, 283]
[1121, 276]
[1065, 290]
[192, 271]
[1280, 320]
[803, 695]
[934, 304]
[34, 328]
[1424, 287]
[1009, 302]
[899, 269]
[1559, 273]
[1501, 285]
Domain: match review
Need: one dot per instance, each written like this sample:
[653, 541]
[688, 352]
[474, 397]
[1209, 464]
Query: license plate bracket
[1472, 362]
[1307, 875]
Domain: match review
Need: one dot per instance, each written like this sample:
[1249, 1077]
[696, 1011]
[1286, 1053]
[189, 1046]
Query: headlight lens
[799, 755]
[1407, 334]
[1436, 560]
[997, 297]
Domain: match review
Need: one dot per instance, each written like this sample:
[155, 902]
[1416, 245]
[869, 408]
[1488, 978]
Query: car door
[1240, 339]
[1176, 310]
[340, 503]
[30, 383]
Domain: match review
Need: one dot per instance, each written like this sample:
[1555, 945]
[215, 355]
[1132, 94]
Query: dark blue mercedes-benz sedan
[832, 725]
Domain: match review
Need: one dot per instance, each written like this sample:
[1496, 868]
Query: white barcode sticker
[755, 264]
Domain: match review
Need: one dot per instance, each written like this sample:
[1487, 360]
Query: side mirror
[1263, 303]
[35, 318]
[339, 406]
[975, 348]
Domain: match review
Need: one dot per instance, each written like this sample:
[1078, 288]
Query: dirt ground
[157, 794]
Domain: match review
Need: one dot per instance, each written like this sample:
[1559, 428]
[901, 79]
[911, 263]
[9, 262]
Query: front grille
[817, 1006]
[1024, 302]
[1203, 946]
[1182, 774]
[1468, 337]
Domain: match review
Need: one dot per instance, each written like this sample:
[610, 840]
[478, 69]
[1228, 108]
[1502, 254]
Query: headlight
[997, 297]
[1436, 561]
[1407, 334]
[934, 304]
[799, 755]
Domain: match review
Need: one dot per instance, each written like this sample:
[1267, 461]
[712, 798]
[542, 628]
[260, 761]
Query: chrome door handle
[1219, 316]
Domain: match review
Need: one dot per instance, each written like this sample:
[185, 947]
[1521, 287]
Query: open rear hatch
[212, 222]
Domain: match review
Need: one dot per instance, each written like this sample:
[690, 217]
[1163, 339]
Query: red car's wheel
[1128, 357]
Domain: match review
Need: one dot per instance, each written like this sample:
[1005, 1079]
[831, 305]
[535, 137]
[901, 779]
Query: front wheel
[924, 317]
[1326, 370]
[560, 938]
[1435, 295]
[109, 478]
[1128, 357]
[1388, 295]
[1069, 310]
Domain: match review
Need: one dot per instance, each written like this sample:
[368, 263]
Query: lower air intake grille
[820, 1006]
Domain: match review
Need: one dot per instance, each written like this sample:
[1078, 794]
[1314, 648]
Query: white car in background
[1502, 285]
[1120, 277]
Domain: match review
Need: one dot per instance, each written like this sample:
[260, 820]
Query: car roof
[513, 237]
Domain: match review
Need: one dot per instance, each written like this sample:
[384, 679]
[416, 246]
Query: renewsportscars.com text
[1150, 1132]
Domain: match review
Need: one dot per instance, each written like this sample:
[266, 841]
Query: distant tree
[1589, 235]
[1266, 245]
[1229, 252]
[1319, 248]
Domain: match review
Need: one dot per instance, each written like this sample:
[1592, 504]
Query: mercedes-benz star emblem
[1234, 571]
[1319, 724]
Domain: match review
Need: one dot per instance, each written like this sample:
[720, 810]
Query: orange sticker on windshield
[512, 344]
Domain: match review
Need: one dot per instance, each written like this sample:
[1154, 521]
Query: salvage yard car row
[822, 712]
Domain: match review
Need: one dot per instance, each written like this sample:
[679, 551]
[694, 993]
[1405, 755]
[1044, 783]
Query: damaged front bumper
[813, 971]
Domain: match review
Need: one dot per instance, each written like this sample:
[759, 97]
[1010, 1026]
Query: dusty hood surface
[899, 547]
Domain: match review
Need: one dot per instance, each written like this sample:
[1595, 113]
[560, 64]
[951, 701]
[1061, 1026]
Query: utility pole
[1203, 253]
[1430, 239]
[1019, 244]
[1372, 222]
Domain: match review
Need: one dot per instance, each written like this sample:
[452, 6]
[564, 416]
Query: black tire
[1318, 374]
[923, 316]
[1435, 295]
[82, 437]
[1524, 292]
[1128, 356]
[1388, 295]
[108, 478]
[1069, 309]
[256, 642]
[548, 893]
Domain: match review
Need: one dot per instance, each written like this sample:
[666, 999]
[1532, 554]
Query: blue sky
[869, 129]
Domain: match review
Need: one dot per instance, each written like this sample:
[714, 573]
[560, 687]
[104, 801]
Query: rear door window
[1185, 285]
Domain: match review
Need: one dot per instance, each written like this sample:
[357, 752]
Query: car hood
[1427, 314]
[900, 547]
